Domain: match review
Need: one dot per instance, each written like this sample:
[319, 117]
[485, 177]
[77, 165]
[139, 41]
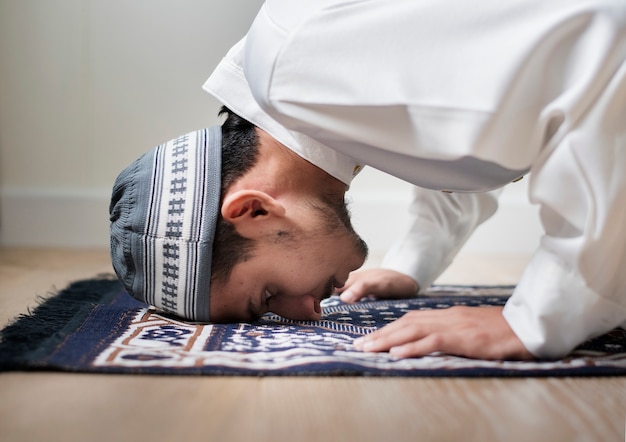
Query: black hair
[240, 149]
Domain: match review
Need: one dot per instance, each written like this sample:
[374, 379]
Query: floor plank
[79, 407]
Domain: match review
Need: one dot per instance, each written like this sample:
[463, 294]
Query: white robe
[464, 97]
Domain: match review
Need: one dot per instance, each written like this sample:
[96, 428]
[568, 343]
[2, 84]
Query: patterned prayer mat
[94, 326]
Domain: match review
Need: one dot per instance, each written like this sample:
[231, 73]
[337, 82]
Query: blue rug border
[50, 348]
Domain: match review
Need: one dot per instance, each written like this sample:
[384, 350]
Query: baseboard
[70, 218]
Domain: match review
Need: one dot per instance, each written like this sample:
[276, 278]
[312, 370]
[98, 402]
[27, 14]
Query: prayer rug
[94, 326]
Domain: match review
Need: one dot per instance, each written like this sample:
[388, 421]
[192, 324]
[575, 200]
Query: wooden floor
[79, 407]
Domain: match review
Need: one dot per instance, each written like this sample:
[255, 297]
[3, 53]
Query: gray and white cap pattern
[163, 213]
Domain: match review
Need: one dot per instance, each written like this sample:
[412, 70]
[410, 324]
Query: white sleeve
[441, 224]
[575, 285]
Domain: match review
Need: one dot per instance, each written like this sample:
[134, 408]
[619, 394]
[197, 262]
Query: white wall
[86, 86]
[380, 201]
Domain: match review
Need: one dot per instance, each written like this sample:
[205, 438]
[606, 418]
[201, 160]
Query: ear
[248, 210]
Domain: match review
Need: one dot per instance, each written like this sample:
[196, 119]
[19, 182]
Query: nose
[298, 308]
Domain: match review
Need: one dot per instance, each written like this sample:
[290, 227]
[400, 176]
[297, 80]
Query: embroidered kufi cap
[164, 209]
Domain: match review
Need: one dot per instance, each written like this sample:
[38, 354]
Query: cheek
[300, 268]
[301, 277]
[300, 282]
[299, 263]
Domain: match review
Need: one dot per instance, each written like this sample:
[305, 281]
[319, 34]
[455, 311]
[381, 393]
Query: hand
[473, 332]
[382, 283]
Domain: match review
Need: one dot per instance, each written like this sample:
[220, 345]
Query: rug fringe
[54, 313]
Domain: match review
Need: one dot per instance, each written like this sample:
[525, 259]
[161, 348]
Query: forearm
[575, 285]
[441, 223]
[553, 310]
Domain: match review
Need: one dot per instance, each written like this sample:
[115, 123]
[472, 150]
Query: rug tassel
[53, 314]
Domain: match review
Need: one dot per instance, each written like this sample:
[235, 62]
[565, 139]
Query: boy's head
[226, 223]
